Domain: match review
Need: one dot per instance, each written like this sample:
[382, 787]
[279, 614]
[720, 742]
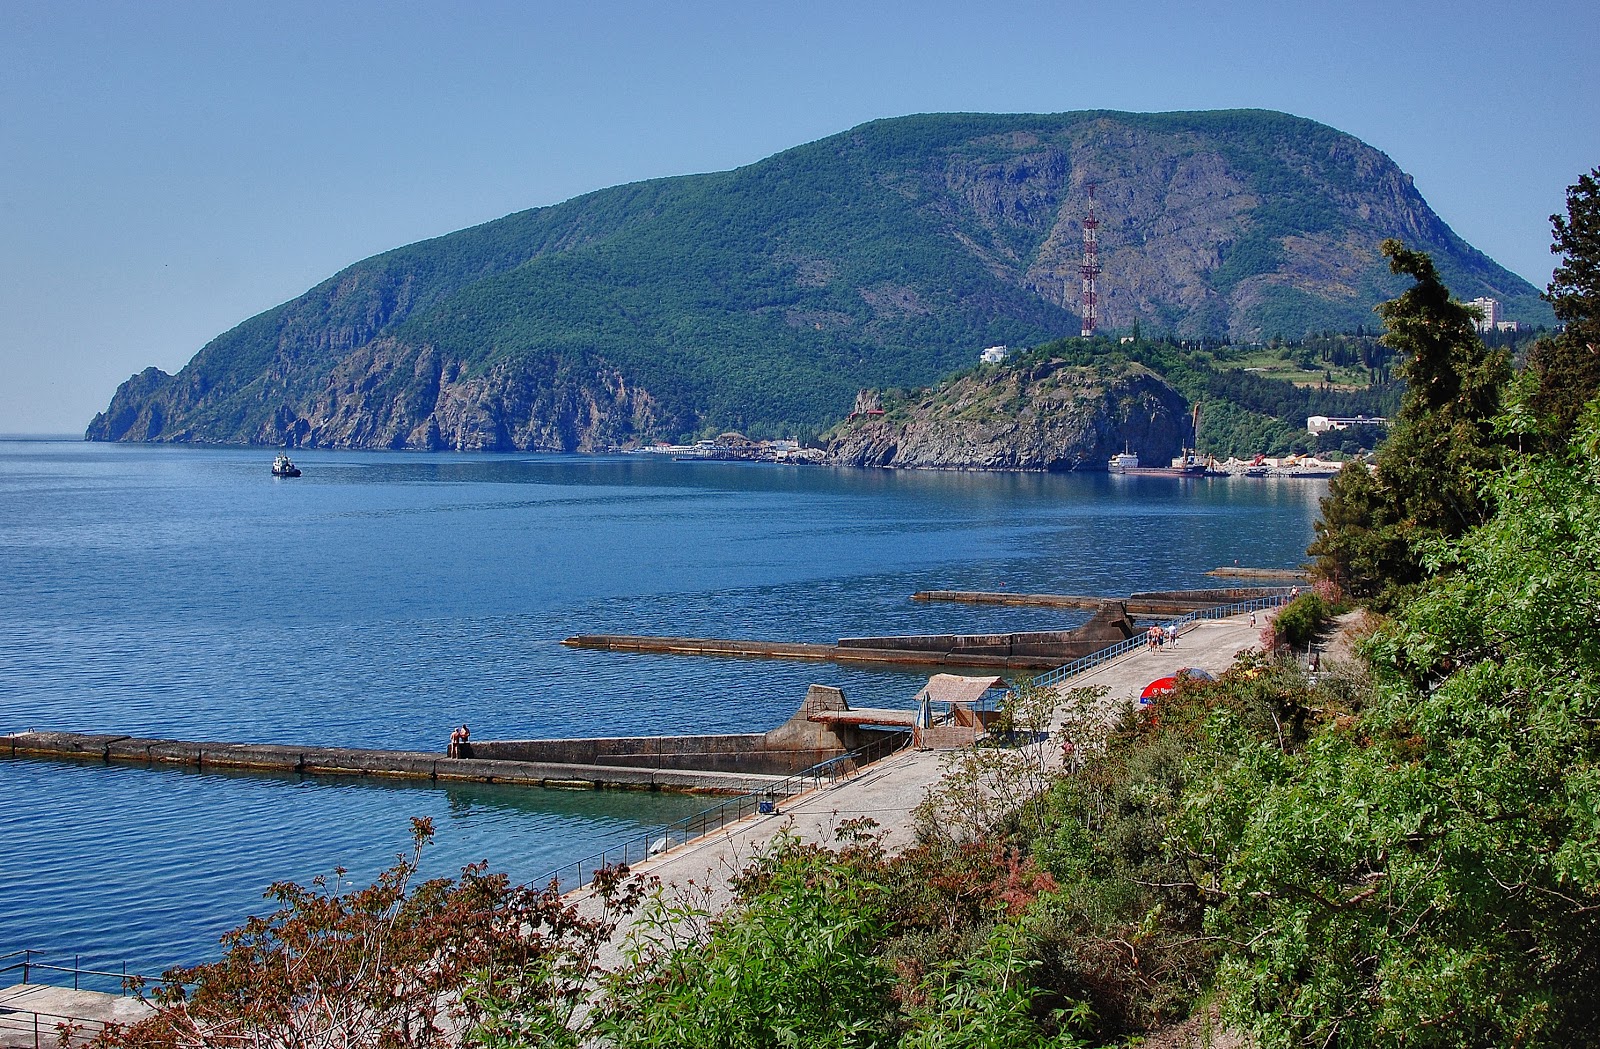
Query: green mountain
[762, 298]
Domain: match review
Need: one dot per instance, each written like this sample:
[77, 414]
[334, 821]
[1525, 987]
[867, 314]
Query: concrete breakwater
[398, 764]
[1155, 603]
[932, 651]
[1261, 573]
[733, 763]
[1027, 650]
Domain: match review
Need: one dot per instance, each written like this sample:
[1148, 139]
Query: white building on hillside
[1489, 314]
[1324, 423]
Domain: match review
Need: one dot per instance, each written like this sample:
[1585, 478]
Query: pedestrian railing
[32, 964]
[21, 1026]
[642, 846]
[28, 1027]
[1106, 655]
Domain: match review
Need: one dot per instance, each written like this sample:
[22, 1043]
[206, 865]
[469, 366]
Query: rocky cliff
[1049, 416]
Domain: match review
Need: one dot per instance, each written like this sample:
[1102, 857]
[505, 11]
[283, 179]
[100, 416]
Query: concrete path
[1210, 644]
[704, 868]
[889, 790]
[30, 1013]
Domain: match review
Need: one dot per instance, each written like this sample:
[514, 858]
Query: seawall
[1031, 650]
[738, 754]
[353, 761]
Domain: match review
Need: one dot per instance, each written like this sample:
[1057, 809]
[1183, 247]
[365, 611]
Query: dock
[393, 764]
[1260, 573]
[1018, 650]
[1154, 604]
[844, 651]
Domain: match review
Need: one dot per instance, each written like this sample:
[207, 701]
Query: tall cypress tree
[1566, 368]
[1375, 530]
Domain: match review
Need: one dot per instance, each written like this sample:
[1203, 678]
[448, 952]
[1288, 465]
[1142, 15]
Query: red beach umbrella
[1162, 685]
[1159, 687]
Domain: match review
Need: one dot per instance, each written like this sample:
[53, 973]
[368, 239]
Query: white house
[1324, 423]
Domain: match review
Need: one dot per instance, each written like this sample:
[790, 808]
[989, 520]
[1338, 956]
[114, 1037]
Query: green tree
[1430, 471]
[1566, 367]
[793, 964]
[1428, 874]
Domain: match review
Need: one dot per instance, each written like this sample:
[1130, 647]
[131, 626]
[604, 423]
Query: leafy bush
[792, 965]
[387, 965]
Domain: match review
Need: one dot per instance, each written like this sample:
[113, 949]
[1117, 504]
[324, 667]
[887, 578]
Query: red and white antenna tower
[1090, 269]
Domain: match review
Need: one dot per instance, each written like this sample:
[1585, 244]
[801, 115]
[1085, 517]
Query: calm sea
[382, 598]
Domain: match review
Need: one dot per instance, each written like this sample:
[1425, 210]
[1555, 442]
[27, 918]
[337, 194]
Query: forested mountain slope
[762, 298]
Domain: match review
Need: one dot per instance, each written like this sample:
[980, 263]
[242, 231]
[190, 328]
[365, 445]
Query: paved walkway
[29, 1013]
[887, 791]
[1210, 644]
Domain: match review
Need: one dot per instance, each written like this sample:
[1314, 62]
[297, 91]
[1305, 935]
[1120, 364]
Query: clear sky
[168, 169]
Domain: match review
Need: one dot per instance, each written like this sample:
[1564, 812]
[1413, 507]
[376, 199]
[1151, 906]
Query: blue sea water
[383, 597]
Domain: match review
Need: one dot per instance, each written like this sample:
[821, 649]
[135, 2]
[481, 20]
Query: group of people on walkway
[460, 743]
[1157, 636]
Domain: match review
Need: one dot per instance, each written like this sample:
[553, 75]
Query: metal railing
[48, 1030]
[1105, 655]
[31, 963]
[577, 874]
[20, 1025]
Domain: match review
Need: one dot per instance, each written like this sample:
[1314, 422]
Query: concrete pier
[1154, 604]
[1260, 573]
[848, 650]
[31, 1014]
[1023, 650]
[351, 761]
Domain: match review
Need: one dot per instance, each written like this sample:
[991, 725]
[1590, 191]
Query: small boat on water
[1122, 462]
[283, 466]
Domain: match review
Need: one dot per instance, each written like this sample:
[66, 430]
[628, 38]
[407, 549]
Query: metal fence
[21, 1026]
[642, 846]
[31, 964]
[1106, 655]
[28, 1027]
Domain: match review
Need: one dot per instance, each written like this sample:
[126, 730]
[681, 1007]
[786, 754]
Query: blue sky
[168, 169]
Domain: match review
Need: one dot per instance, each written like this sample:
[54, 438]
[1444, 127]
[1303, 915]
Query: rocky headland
[1050, 416]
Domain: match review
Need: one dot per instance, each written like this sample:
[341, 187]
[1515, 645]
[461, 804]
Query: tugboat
[282, 466]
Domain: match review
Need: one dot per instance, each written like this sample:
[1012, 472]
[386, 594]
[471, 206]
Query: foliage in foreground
[394, 964]
[1431, 872]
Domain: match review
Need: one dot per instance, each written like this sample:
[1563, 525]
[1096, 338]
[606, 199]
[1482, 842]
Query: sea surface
[382, 598]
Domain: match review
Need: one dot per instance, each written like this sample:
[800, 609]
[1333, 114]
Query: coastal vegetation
[1399, 847]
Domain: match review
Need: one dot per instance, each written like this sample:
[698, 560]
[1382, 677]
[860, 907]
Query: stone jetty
[1023, 650]
[352, 761]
